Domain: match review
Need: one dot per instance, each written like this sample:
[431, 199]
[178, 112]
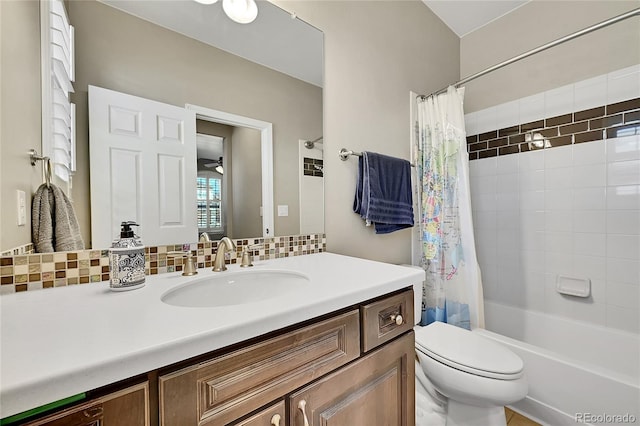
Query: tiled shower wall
[571, 209]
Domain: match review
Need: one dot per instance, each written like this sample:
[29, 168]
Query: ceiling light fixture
[240, 11]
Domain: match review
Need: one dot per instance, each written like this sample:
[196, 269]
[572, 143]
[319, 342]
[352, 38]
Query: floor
[515, 419]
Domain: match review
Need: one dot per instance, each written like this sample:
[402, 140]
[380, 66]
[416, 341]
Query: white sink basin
[235, 288]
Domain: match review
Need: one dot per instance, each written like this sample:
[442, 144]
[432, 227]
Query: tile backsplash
[27, 272]
[25, 249]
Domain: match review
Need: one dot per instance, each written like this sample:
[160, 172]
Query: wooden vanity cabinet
[129, 406]
[354, 367]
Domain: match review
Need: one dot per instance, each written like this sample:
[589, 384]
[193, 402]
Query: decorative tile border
[26, 272]
[604, 122]
[25, 249]
[313, 167]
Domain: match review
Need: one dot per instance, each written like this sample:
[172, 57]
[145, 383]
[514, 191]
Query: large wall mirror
[181, 52]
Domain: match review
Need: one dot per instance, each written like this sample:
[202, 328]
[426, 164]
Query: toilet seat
[463, 350]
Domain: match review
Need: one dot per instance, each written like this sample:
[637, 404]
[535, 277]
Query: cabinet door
[128, 407]
[275, 415]
[376, 390]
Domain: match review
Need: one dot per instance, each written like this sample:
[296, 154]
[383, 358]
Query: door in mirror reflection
[143, 166]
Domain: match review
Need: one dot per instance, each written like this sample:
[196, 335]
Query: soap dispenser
[126, 260]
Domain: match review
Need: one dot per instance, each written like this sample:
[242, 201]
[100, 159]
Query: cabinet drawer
[385, 319]
[232, 385]
[129, 407]
[274, 415]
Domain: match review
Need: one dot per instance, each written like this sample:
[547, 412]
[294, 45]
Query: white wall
[572, 210]
[311, 192]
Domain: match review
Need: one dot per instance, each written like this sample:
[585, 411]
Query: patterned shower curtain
[453, 287]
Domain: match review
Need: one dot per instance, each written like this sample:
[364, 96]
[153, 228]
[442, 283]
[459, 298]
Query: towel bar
[344, 154]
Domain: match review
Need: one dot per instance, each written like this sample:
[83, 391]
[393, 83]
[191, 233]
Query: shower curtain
[453, 288]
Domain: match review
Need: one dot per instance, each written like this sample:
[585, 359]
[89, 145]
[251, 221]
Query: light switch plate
[283, 210]
[22, 207]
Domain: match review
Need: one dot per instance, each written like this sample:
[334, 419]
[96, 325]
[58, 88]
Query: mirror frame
[266, 145]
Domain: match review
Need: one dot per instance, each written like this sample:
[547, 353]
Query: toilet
[475, 376]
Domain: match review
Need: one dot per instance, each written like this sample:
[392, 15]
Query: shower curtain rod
[631, 13]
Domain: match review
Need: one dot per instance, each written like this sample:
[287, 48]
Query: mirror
[131, 54]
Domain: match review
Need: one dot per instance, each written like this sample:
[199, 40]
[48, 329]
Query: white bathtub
[574, 368]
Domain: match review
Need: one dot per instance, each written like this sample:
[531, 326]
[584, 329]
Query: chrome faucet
[224, 245]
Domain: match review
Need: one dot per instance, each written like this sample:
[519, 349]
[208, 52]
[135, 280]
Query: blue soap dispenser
[126, 260]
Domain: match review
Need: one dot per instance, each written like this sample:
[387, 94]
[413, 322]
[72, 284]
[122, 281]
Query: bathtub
[578, 372]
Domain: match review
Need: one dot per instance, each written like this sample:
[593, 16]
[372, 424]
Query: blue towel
[383, 192]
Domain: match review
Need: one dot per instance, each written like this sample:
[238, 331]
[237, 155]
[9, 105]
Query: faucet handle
[246, 257]
[189, 267]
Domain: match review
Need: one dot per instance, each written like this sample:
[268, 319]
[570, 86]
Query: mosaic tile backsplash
[27, 272]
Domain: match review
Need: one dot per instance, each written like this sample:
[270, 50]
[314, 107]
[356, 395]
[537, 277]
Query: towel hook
[46, 165]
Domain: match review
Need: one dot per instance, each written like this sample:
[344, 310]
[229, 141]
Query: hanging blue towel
[383, 192]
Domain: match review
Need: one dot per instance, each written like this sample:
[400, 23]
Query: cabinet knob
[275, 420]
[397, 318]
[301, 406]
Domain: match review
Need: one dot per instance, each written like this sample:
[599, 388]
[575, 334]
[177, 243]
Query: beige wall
[535, 24]
[375, 53]
[20, 128]
[123, 53]
[246, 171]
[226, 132]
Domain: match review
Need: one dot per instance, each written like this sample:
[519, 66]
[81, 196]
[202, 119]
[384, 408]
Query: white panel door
[143, 168]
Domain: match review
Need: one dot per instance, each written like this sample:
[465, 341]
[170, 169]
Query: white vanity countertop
[60, 342]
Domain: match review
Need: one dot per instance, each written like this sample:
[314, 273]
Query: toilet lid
[461, 349]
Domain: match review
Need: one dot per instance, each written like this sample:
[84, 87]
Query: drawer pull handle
[301, 406]
[92, 412]
[275, 420]
[397, 318]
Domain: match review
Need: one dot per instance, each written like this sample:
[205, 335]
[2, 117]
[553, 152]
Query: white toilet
[476, 376]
